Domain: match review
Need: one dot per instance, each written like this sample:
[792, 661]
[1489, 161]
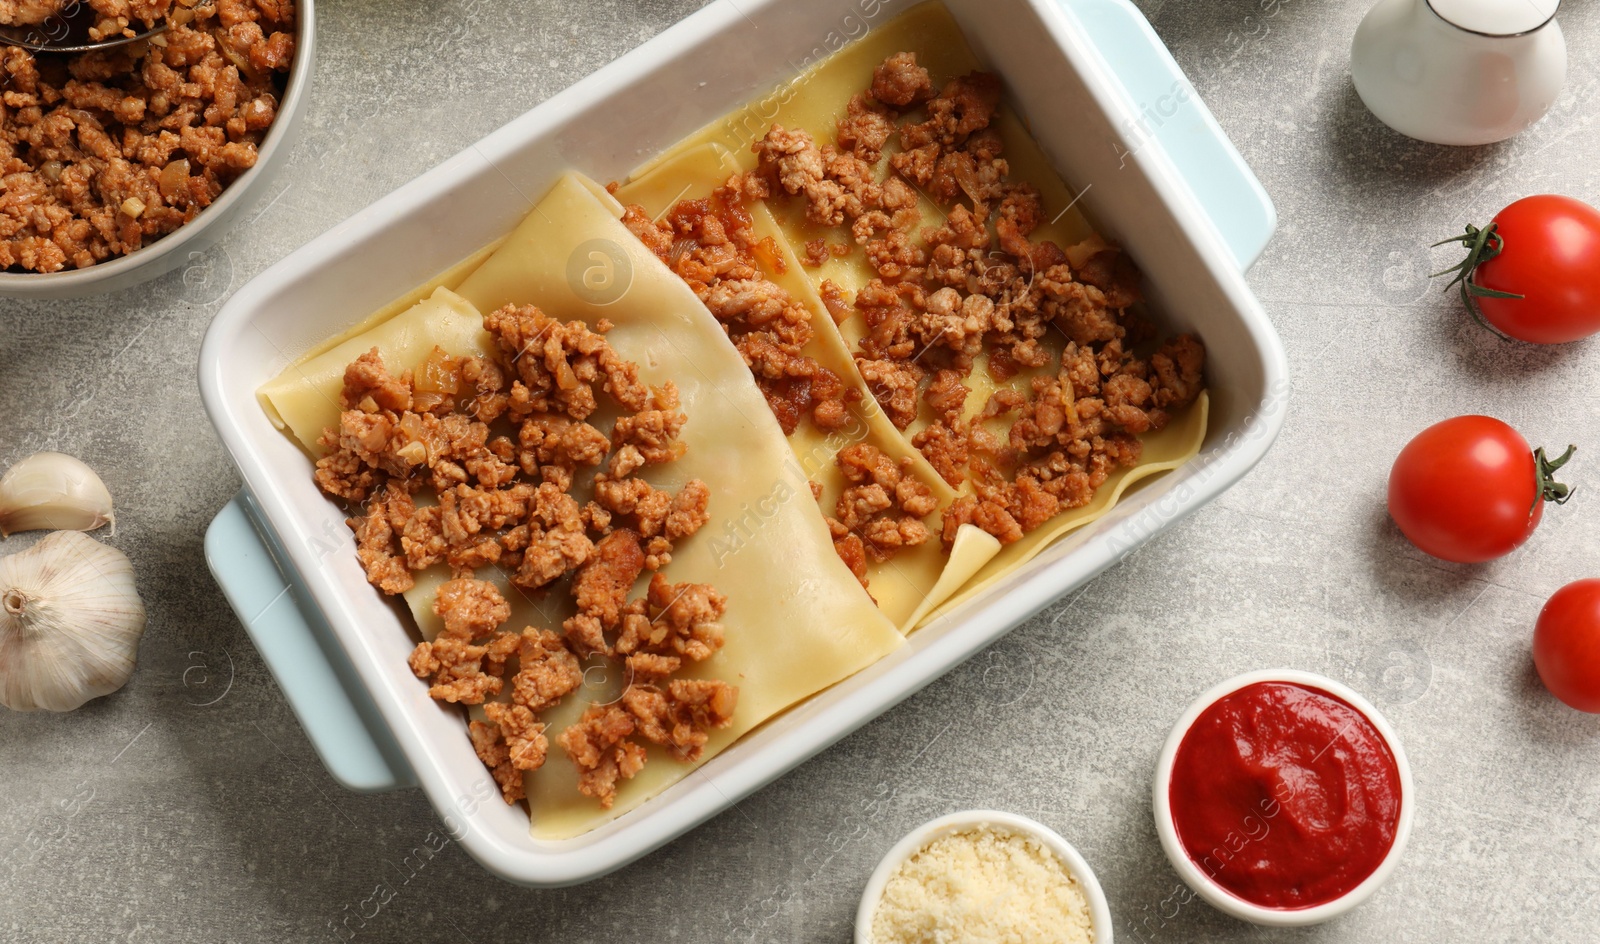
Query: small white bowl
[1224, 900]
[189, 240]
[1099, 912]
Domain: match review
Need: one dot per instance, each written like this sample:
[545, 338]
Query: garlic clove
[70, 622]
[52, 491]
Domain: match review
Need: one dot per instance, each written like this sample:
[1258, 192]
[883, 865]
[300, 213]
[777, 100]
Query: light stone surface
[190, 806]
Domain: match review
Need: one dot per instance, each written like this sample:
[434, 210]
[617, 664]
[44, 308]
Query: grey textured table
[190, 807]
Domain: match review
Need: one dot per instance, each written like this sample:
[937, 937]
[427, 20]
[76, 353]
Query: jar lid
[1496, 17]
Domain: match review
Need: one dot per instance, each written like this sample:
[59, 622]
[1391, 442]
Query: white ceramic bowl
[1224, 900]
[178, 247]
[1099, 912]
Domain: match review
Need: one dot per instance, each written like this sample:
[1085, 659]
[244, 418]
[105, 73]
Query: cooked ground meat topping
[677, 620]
[711, 245]
[112, 17]
[882, 505]
[522, 734]
[501, 442]
[490, 744]
[547, 672]
[599, 744]
[976, 288]
[680, 717]
[670, 625]
[900, 83]
[838, 186]
[104, 152]
[28, 12]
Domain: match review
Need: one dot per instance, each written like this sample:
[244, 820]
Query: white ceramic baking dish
[1109, 106]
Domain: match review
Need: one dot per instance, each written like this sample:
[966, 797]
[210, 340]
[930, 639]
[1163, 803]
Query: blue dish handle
[298, 647]
[1171, 114]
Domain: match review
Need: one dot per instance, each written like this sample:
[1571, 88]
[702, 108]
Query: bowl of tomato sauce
[1283, 798]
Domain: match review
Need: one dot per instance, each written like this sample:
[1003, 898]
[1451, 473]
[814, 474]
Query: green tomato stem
[1481, 245]
[1548, 489]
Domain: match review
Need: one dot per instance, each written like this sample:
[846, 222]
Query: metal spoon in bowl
[67, 30]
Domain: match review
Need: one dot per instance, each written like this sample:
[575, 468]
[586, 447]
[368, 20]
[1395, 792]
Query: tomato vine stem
[1481, 245]
[1547, 488]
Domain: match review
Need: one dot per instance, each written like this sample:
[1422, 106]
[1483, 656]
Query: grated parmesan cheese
[983, 886]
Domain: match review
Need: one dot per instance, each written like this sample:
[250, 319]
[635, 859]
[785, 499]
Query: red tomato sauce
[1285, 795]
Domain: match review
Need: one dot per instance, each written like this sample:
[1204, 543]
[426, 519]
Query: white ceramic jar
[1459, 71]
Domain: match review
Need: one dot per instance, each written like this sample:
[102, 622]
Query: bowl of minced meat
[983, 877]
[120, 164]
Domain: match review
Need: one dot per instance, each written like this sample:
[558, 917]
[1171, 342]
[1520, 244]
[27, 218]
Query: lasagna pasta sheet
[1168, 448]
[923, 582]
[305, 398]
[915, 580]
[797, 620]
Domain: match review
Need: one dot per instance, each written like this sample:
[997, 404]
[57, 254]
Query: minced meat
[976, 288]
[504, 503]
[104, 152]
[710, 243]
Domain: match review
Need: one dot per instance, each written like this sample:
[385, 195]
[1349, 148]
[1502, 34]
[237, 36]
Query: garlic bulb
[70, 622]
[55, 492]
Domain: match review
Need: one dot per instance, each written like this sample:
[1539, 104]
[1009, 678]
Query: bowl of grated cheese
[983, 877]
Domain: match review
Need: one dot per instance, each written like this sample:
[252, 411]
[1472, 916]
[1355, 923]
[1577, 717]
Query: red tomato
[1566, 645]
[1469, 489]
[1545, 250]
